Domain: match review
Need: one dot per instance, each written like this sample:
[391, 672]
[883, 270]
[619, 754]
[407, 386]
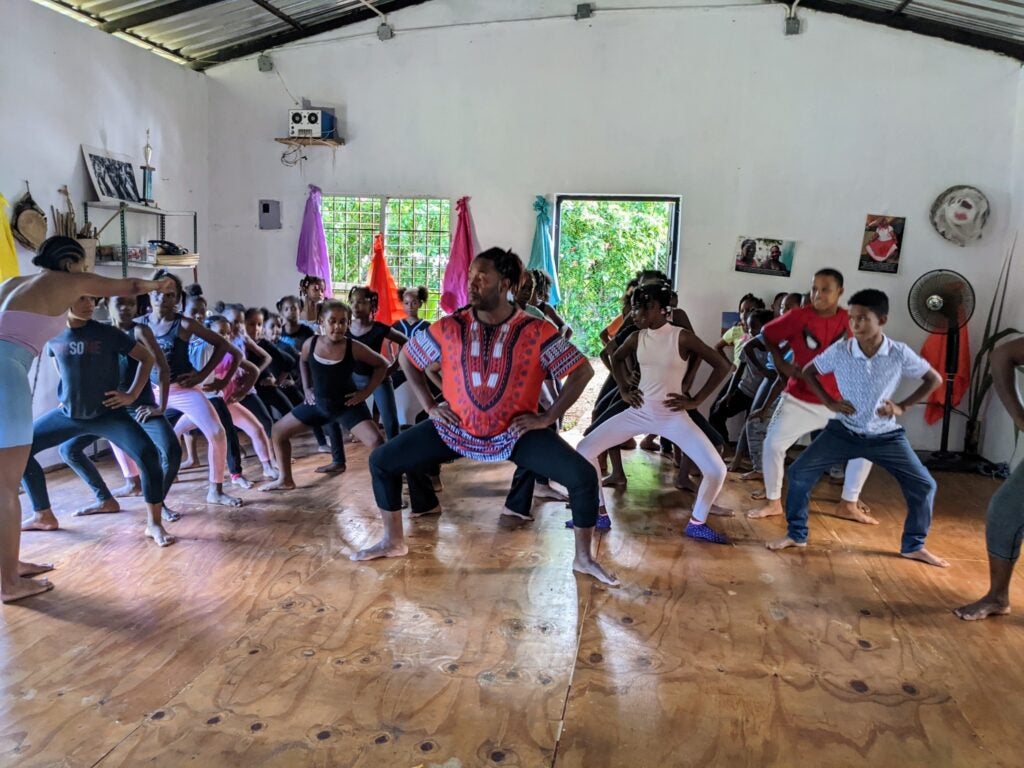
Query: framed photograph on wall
[112, 175]
[764, 255]
[883, 240]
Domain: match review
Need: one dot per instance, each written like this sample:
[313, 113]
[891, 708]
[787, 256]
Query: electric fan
[942, 301]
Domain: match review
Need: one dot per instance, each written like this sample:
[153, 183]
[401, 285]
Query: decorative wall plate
[959, 214]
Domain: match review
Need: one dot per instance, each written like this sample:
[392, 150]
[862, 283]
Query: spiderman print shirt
[490, 374]
[808, 335]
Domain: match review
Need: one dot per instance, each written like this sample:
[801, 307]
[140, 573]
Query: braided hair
[371, 296]
[659, 291]
[506, 263]
[58, 252]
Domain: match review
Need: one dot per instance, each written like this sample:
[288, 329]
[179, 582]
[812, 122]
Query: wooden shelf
[299, 141]
[135, 208]
[143, 265]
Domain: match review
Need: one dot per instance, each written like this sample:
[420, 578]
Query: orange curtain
[389, 308]
[934, 351]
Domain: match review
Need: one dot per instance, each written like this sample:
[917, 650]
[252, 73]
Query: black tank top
[175, 349]
[332, 383]
[374, 339]
[127, 366]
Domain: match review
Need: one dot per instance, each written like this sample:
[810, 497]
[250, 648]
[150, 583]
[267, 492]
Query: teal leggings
[1005, 525]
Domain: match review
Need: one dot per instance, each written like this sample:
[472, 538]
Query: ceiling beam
[920, 25]
[267, 42]
[265, 5]
[158, 13]
[901, 7]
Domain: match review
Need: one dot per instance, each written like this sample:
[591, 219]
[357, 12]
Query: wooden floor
[254, 641]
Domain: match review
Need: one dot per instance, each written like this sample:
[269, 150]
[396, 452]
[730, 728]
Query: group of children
[170, 368]
[804, 367]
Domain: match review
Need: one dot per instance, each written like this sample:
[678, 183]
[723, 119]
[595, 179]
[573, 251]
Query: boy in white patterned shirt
[868, 369]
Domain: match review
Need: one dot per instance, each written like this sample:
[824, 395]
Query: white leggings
[677, 427]
[792, 420]
[197, 409]
[244, 420]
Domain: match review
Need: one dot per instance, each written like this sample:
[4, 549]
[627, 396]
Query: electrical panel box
[270, 214]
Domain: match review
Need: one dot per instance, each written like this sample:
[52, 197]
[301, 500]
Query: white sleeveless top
[661, 367]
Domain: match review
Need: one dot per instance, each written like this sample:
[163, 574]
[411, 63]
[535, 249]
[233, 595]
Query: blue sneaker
[604, 523]
[705, 533]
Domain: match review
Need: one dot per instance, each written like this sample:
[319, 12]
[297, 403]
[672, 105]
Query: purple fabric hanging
[312, 258]
[455, 286]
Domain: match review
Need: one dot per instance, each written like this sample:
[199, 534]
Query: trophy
[147, 174]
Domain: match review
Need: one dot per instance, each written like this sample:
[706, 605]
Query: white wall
[797, 137]
[64, 84]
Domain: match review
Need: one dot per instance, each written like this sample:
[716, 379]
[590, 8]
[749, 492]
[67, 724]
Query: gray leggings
[1005, 525]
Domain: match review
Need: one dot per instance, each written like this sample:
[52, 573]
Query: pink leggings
[244, 420]
[198, 412]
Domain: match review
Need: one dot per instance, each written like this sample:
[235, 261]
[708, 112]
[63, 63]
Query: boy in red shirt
[809, 331]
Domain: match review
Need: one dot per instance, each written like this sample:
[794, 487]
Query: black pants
[275, 401]
[727, 407]
[253, 403]
[332, 430]
[159, 431]
[53, 428]
[540, 451]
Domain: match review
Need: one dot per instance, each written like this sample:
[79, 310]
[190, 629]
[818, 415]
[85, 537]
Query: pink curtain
[312, 258]
[454, 288]
[389, 308]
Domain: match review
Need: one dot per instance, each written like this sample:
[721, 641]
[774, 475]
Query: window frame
[674, 224]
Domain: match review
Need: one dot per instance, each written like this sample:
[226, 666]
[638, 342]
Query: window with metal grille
[417, 235]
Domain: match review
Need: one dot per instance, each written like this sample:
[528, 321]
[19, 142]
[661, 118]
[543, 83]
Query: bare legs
[996, 601]
[288, 427]
[13, 584]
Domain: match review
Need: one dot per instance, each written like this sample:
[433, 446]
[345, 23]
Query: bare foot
[132, 487]
[721, 511]
[40, 521]
[331, 469]
[614, 481]
[771, 508]
[982, 609]
[33, 569]
[279, 485]
[784, 543]
[161, 537]
[323, 449]
[169, 515]
[758, 495]
[754, 474]
[241, 481]
[591, 568]
[23, 588]
[99, 508]
[221, 498]
[382, 548]
[854, 510]
[924, 556]
[188, 463]
[435, 511]
[271, 474]
[542, 491]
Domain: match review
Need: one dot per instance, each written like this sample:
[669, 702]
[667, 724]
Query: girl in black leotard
[332, 396]
[373, 334]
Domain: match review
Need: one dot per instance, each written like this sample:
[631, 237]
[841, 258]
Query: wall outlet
[792, 25]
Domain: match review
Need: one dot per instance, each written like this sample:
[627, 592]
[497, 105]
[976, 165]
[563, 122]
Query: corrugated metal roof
[202, 33]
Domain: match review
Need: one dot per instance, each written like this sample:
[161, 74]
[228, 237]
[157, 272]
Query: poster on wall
[729, 320]
[883, 240]
[112, 175]
[764, 256]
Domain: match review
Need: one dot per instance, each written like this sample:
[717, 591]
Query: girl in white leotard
[658, 406]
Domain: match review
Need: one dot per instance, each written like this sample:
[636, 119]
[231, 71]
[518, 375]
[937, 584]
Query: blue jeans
[384, 399]
[159, 431]
[54, 428]
[891, 451]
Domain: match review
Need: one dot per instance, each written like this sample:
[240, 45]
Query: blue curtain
[542, 254]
